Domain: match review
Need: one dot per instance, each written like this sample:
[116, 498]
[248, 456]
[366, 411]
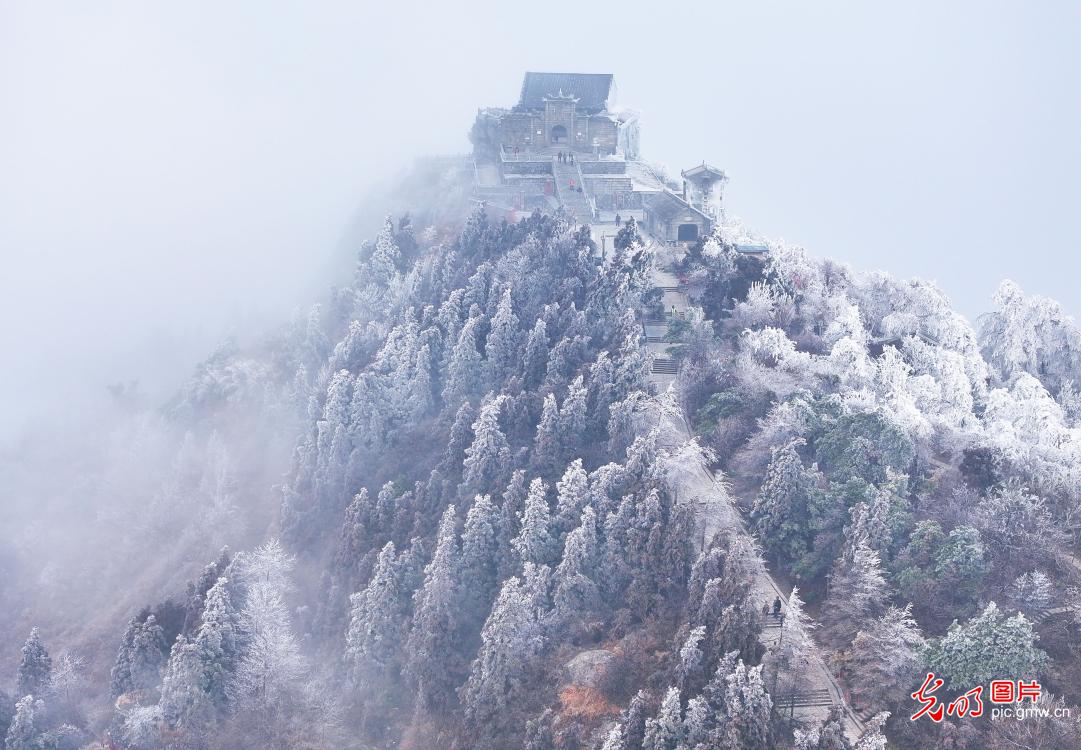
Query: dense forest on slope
[481, 537]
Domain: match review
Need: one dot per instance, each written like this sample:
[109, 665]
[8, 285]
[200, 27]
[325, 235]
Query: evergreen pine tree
[36, 667]
[664, 731]
[185, 701]
[480, 560]
[120, 675]
[148, 653]
[572, 417]
[572, 493]
[461, 437]
[534, 542]
[780, 509]
[886, 658]
[385, 256]
[576, 593]
[858, 593]
[633, 721]
[690, 671]
[464, 369]
[433, 661]
[748, 709]
[696, 724]
[512, 639]
[378, 622]
[547, 448]
[510, 513]
[628, 235]
[23, 733]
[535, 357]
[487, 459]
[503, 344]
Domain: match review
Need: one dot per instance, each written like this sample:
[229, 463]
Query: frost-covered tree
[690, 671]
[23, 734]
[460, 438]
[872, 737]
[789, 663]
[480, 559]
[512, 639]
[535, 356]
[665, 730]
[534, 542]
[510, 513]
[628, 235]
[148, 653]
[985, 648]
[1032, 591]
[547, 447]
[270, 664]
[433, 656]
[502, 350]
[573, 416]
[857, 594]
[186, 703]
[1018, 527]
[781, 506]
[464, 372]
[576, 593]
[35, 668]
[487, 460]
[385, 256]
[748, 708]
[613, 740]
[571, 496]
[1031, 335]
[886, 659]
[830, 735]
[378, 621]
[120, 675]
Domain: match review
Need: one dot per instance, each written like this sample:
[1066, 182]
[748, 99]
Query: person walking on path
[777, 606]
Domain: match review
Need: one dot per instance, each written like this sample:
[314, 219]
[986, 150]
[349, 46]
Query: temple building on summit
[569, 111]
[569, 144]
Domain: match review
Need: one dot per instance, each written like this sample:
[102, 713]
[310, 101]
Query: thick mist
[171, 174]
[177, 180]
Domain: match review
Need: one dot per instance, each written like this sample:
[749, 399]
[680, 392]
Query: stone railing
[522, 155]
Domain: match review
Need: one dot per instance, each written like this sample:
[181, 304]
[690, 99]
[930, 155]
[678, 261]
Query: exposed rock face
[587, 667]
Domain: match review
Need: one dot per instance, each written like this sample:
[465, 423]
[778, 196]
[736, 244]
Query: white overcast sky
[170, 169]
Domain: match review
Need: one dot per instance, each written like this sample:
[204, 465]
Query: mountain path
[716, 511]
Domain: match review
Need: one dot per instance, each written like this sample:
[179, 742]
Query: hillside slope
[501, 526]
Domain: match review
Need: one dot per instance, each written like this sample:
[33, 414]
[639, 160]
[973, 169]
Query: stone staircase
[822, 692]
[574, 203]
[1042, 616]
[665, 366]
[813, 698]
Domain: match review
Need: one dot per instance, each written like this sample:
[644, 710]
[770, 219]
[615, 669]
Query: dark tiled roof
[666, 204]
[591, 89]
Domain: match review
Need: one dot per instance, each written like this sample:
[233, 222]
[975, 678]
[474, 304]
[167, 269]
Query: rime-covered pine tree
[35, 668]
[534, 542]
[487, 460]
[433, 662]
